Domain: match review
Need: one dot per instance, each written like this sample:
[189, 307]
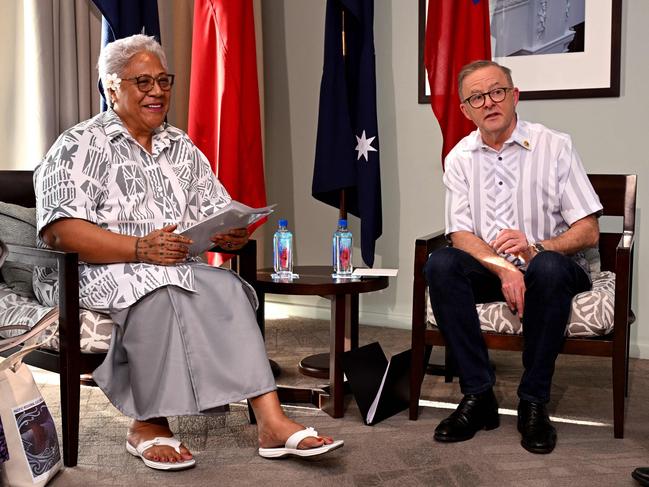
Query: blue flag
[347, 147]
[123, 18]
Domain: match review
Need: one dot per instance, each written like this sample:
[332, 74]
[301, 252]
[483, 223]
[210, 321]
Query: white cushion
[96, 328]
[591, 313]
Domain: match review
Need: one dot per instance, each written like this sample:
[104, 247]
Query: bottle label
[342, 255]
[283, 253]
[345, 257]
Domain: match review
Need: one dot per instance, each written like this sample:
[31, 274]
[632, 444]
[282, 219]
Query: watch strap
[538, 246]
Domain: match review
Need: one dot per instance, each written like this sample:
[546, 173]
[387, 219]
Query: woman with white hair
[114, 189]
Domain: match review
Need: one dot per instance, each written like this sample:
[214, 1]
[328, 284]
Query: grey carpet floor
[396, 452]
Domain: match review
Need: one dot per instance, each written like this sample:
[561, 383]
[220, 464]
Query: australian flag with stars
[347, 147]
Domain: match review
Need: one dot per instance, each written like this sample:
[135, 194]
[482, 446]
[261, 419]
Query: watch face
[539, 247]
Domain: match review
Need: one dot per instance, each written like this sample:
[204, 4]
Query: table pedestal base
[275, 368]
[319, 396]
[315, 366]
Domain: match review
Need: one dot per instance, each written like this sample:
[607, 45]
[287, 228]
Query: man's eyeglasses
[478, 99]
[145, 82]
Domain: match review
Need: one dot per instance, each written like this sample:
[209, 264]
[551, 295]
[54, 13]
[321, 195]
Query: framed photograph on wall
[555, 48]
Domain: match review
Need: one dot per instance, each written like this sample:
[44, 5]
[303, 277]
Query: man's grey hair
[474, 66]
[115, 56]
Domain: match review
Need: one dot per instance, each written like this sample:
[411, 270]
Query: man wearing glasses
[520, 211]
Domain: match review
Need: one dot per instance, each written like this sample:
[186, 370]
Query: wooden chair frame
[618, 196]
[16, 187]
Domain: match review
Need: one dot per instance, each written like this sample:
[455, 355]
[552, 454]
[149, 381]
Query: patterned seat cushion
[591, 314]
[96, 328]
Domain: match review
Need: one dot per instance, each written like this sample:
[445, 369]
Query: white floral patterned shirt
[96, 171]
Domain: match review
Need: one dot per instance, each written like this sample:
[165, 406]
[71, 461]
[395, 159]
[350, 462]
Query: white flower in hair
[113, 81]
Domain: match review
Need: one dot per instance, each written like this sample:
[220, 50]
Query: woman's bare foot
[275, 433]
[140, 431]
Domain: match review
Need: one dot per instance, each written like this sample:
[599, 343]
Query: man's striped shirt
[536, 183]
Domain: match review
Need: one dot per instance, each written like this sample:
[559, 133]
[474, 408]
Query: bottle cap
[283, 223]
[342, 222]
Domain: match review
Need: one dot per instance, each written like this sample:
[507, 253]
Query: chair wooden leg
[416, 376]
[70, 399]
[251, 413]
[626, 367]
[619, 375]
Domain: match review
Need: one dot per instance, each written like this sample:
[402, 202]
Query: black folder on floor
[381, 388]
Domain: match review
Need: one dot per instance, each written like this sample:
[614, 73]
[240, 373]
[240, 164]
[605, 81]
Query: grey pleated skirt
[176, 352]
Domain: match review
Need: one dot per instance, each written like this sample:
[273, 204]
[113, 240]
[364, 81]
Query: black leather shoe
[641, 475]
[475, 412]
[539, 436]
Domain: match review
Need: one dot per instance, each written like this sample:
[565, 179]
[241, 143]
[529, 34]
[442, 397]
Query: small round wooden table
[343, 294]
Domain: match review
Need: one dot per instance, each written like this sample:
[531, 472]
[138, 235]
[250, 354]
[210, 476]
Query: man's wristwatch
[538, 247]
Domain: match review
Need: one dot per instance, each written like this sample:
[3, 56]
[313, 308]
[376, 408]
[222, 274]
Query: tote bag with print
[29, 445]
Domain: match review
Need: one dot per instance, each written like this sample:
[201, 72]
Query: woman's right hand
[162, 247]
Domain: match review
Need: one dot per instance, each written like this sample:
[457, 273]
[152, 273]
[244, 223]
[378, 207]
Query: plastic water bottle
[342, 250]
[283, 251]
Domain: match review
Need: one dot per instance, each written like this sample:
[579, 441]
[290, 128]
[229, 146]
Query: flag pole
[342, 205]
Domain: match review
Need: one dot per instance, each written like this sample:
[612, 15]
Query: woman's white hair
[114, 57]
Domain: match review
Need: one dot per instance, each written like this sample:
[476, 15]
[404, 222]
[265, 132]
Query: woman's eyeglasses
[145, 82]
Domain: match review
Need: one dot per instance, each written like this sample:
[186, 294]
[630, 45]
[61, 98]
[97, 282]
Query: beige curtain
[176, 20]
[49, 49]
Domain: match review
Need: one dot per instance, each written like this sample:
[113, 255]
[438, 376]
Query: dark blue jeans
[457, 282]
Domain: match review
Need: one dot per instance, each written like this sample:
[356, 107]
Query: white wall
[610, 134]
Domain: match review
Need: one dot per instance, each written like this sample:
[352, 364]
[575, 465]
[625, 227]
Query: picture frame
[593, 73]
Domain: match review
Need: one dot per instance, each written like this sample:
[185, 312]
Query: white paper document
[234, 215]
[370, 414]
[374, 272]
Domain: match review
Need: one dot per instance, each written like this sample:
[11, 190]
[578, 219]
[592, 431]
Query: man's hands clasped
[162, 247]
[514, 242]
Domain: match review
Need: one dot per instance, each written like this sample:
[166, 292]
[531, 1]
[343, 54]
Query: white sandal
[159, 440]
[290, 447]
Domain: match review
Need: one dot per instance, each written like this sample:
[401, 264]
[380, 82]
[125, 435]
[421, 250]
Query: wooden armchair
[69, 361]
[618, 196]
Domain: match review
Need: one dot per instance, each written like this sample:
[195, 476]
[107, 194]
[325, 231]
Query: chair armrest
[623, 279]
[626, 242]
[624, 261]
[67, 264]
[432, 241]
[423, 247]
[34, 256]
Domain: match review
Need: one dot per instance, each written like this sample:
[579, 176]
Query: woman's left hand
[233, 240]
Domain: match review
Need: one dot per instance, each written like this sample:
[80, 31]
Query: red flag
[457, 32]
[224, 119]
